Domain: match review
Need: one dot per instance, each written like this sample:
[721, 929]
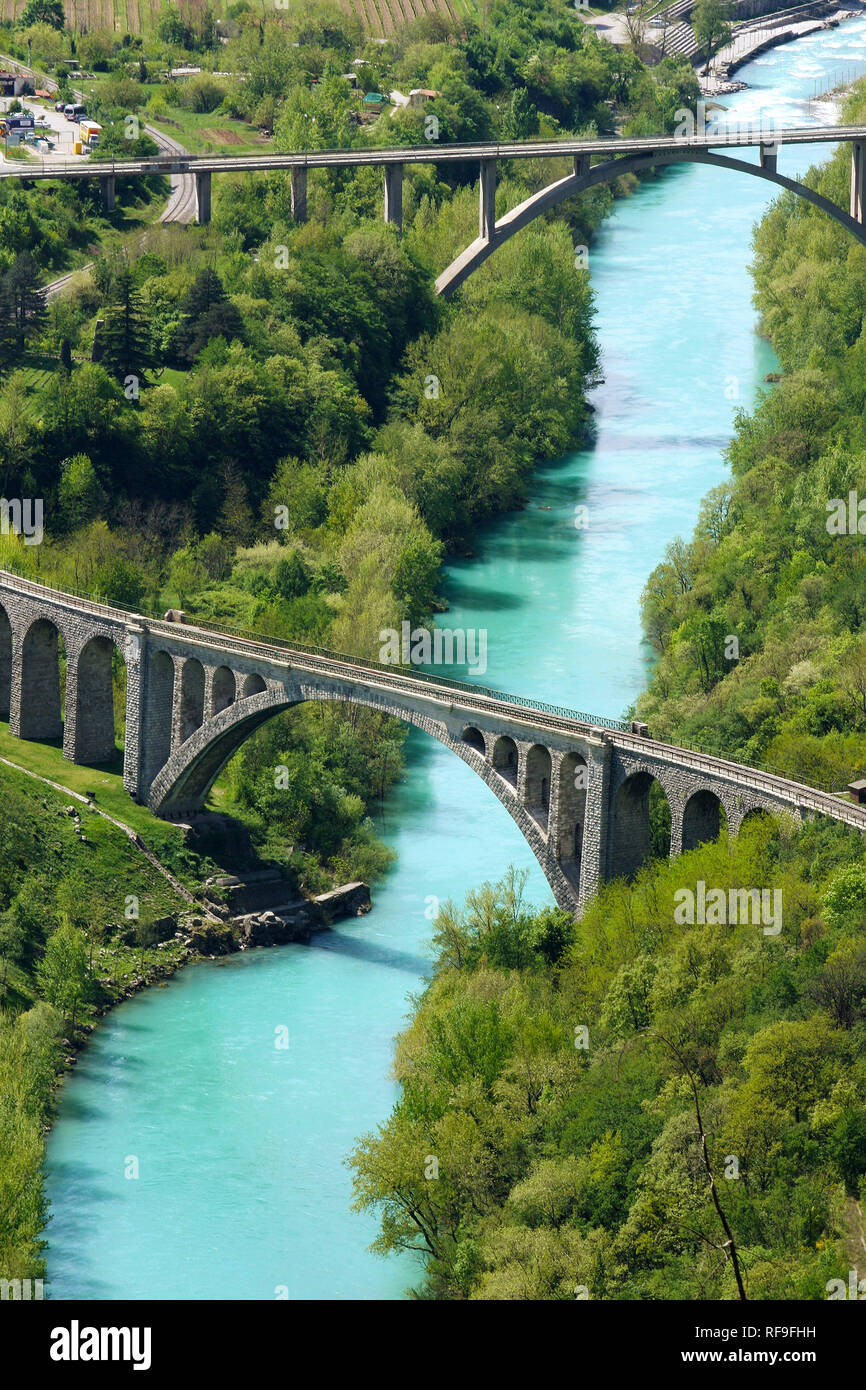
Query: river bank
[759, 36]
[187, 1077]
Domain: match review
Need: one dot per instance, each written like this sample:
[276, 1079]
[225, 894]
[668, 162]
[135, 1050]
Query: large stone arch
[223, 689]
[538, 781]
[253, 684]
[181, 787]
[505, 758]
[611, 169]
[630, 844]
[703, 818]
[159, 713]
[474, 738]
[36, 704]
[571, 819]
[190, 714]
[89, 734]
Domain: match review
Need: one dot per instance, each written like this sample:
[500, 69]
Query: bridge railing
[833, 786]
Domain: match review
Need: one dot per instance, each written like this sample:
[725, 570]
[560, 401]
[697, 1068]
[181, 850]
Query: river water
[242, 1191]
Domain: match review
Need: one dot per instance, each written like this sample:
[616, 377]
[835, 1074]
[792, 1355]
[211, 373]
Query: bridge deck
[431, 153]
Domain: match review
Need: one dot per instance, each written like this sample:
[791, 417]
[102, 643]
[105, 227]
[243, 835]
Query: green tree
[125, 337]
[120, 581]
[710, 20]
[292, 576]
[42, 12]
[172, 28]
[63, 974]
[186, 573]
[521, 119]
[22, 298]
[80, 494]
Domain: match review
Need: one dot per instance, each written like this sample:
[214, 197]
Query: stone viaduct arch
[578, 789]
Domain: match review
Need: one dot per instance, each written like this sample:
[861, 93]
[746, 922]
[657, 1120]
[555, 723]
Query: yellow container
[77, 147]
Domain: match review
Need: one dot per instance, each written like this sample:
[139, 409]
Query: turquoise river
[242, 1189]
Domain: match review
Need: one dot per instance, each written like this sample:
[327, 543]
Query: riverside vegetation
[259, 370]
[558, 1083]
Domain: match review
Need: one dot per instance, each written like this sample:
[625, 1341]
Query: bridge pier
[769, 158]
[202, 198]
[593, 858]
[299, 192]
[134, 655]
[394, 195]
[581, 165]
[107, 189]
[858, 175]
[487, 198]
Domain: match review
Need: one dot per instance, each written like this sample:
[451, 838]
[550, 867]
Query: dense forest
[637, 1108]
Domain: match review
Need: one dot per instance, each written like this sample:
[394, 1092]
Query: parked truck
[89, 133]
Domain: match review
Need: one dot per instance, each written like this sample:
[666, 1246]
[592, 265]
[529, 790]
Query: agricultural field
[117, 16]
[210, 133]
[379, 17]
[383, 17]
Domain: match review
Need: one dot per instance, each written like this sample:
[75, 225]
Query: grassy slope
[164, 839]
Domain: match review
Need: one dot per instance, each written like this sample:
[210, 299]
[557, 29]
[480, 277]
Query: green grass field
[209, 133]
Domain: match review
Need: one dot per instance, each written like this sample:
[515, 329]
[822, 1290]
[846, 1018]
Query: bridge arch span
[550, 197]
[182, 785]
[703, 814]
[36, 706]
[473, 738]
[630, 832]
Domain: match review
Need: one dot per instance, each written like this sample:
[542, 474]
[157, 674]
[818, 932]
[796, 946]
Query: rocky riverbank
[183, 938]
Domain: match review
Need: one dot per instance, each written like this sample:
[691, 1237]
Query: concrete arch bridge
[613, 157]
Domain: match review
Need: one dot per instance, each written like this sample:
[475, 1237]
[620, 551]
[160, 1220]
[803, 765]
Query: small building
[857, 792]
[419, 95]
[351, 78]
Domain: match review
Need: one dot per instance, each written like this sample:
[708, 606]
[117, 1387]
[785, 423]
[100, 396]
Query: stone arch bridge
[577, 787]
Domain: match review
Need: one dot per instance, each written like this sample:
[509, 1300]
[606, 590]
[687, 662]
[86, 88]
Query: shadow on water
[359, 948]
[466, 594]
